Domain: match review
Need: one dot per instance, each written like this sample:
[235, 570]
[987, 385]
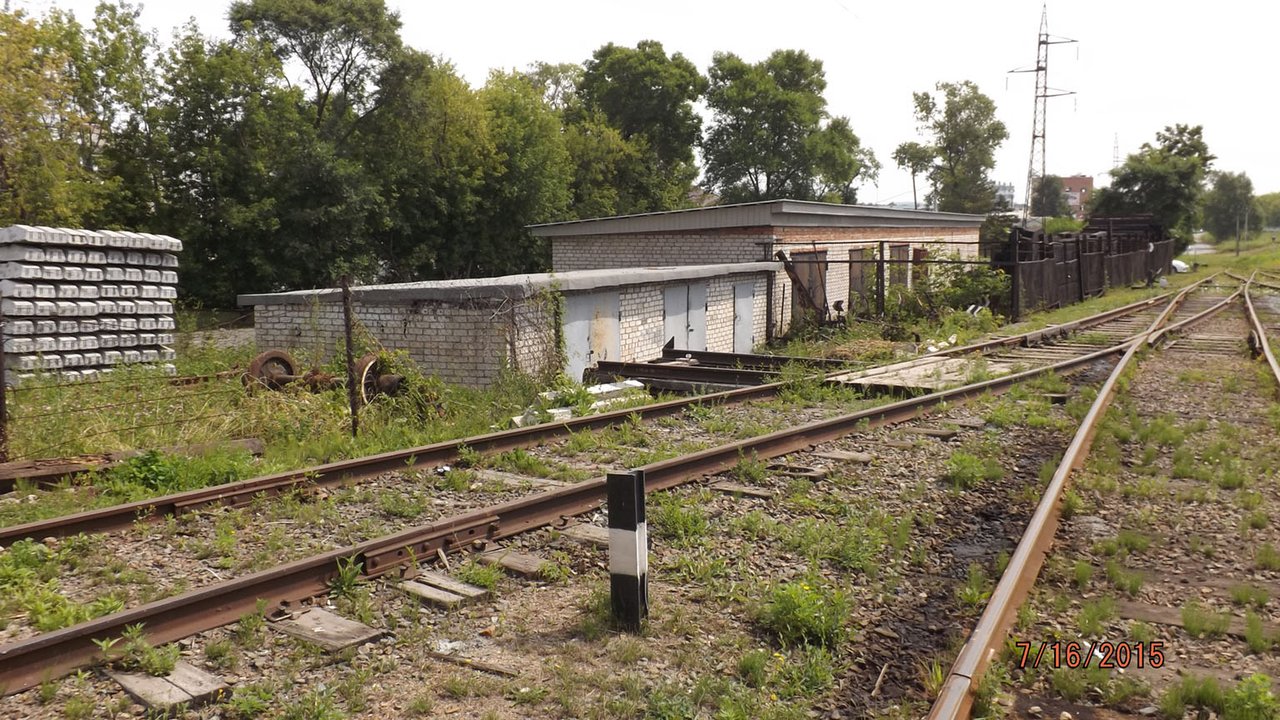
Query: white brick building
[826, 241]
[466, 331]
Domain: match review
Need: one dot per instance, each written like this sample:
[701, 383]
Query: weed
[1197, 692]
[1142, 632]
[1199, 621]
[679, 519]
[805, 612]
[1093, 616]
[965, 471]
[753, 668]
[78, 707]
[1072, 504]
[221, 654]
[485, 576]
[1267, 557]
[750, 469]
[976, 589]
[250, 701]
[1257, 520]
[422, 704]
[315, 705]
[933, 675]
[1251, 699]
[1255, 635]
[1082, 573]
[344, 582]
[1123, 579]
[1249, 595]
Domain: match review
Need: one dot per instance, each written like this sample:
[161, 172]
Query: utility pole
[1036, 165]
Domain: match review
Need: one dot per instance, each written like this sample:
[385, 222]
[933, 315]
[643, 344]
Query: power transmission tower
[1036, 166]
[1115, 153]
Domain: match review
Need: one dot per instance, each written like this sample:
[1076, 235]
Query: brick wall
[708, 247]
[746, 245]
[470, 342]
[466, 343]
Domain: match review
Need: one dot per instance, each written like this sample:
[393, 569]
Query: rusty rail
[121, 516]
[955, 699]
[27, 663]
[1262, 342]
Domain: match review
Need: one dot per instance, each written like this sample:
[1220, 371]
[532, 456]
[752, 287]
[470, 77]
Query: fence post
[880, 280]
[1015, 283]
[628, 549]
[352, 392]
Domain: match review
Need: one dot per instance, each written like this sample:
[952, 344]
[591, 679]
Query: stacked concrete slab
[81, 302]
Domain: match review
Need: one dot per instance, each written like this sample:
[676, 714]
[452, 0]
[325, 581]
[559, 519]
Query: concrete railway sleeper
[1109, 327]
[26, 663]
[1107, 491]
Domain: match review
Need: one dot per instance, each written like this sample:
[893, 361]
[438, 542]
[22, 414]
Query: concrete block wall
[643, 312]
[463, 343]
[708, 247]
[641, 326]
[81, 302]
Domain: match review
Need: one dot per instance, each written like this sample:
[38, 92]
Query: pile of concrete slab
[80, 303]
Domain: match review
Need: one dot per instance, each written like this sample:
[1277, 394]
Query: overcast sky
[1139, 64]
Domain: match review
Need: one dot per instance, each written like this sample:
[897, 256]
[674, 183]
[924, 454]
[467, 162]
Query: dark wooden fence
[1050, 271]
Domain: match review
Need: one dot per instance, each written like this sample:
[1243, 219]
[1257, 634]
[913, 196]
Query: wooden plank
[152, 692]
[1161, 615]
[432, 595]
[798, 471]
[201, 686]
[936, 432]
[745, 490]
[329, 631]
[513, 480]
[844, 456]
[516, 563]
[48, 473]
[444, 582]
[587, 534]
[473, 664]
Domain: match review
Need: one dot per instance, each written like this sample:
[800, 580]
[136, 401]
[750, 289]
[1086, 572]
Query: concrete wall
[469, 341]
[753, 244]
[466, 343]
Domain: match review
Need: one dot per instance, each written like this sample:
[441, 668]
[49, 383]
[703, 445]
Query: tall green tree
[648, 96]
[916, 158]
[1165, 179]
[1229, 206]
[343, 45]
[42, 179]
[1048, 198]
[965, 134]
[1269, 209]
[771, 136]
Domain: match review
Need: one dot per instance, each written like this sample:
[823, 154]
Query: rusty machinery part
[343, 472]
[372, 379]
[272, 369]
[26, 663]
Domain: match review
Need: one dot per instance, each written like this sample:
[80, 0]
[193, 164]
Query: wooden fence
[1050, 271]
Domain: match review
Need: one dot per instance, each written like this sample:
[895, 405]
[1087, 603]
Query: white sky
[1139, 65]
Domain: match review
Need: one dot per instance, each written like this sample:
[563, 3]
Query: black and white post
[628, 549]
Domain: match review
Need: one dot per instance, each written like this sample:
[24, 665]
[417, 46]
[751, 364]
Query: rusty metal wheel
[368, 369]
[268, 368]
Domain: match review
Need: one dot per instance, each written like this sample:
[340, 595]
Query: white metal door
[675, 322]
[590, 331]
[744, 295]
[698, 316]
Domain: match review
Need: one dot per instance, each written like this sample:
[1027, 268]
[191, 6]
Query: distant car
[1179, 266]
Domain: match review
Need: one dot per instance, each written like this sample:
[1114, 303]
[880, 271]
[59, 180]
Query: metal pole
[880, 281]
[1015, 283]
[352, 395]
[628, 549]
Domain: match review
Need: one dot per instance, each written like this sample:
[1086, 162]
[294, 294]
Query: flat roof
[768, 213]
[510, 286]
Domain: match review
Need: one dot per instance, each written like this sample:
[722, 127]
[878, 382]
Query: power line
[1043, 93]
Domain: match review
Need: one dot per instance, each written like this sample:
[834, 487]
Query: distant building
[1078, 189]
[1004, 191]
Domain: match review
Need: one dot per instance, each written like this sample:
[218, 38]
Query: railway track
[932, 371]
[1076, 656]
[30, 661]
